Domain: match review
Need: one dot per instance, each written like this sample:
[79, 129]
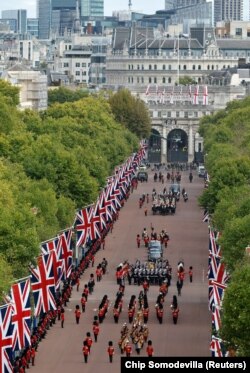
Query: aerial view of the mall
[124, 186]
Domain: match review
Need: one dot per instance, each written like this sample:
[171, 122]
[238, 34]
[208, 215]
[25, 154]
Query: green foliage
[6, 277]
[227, 144]
[131, 112]
[63, 94]
[9, 92]
[235, 316]
[186, 80]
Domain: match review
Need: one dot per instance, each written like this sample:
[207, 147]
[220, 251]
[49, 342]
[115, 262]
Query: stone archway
[177, 145]
[154, 147]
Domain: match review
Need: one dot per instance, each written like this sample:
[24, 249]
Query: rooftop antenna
[129, 5]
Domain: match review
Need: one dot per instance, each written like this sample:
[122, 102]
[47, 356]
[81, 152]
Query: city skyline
[147, 6]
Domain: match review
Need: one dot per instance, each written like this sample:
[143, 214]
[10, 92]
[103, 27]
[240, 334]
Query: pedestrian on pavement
[62, 318]
[190, 177]
[77, 283]
[150, 349]
[138, 241]
[179, 286]
[85, 351]
[146, 211]
[111, 351]
[91, 283]
[77, 313]
[190, 272]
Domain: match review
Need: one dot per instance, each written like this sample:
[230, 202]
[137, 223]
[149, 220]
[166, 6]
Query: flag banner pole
[22, 279]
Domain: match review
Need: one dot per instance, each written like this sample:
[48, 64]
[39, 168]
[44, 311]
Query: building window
[155, 80]
[208, 67]
[150, 80]
[138, 79]
[138, 67]
[212, 67]
[77, 64]
[129, 67]
[77, 73]
[193, 67]
[238, 31]
[155, 67]
[65, 64]
[164, 80]
[177, 114]
[83, 64]
[142, 79]
[199, 67]
[129, 79]
[169, 80]
[184, 67]
[164, 67]
[185, 114]
[132, 67]
[169, 67]
[142, 67]
[169, 114]
[84, 73]
[150, 67]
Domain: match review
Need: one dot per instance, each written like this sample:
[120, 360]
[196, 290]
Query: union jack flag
[86, 224]
[196, 95]
[102, 210]
[43, 284]
[115, 194]
[66, 254]
[214, 248]
[52, 246]
[5, 338]
[82, 225]
[205, 217]
[218, 292]
[21, 314]
[216, 319]
[217, 347]
[110, 208]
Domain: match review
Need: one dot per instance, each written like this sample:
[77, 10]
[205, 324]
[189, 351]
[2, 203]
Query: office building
[20, 15]
[32, 26]
[44, 16]
[231, 10]
[92, 8]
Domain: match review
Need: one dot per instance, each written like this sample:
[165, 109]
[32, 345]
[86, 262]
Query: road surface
[61, 351]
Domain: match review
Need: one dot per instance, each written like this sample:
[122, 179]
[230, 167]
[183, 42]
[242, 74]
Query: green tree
[6, 277]
[10, 92]
[186, 80]
[131, 112]
[63, 94]
[235, 316]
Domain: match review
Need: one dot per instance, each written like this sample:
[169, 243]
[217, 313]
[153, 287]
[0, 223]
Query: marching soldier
[150, 350]
[111, 351]
[85, 351]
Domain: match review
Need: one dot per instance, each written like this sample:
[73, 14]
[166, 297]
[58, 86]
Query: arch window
[169, 80]
[150, 80]
[150, 67]
[208, 67]
[138, 67]
[193, 67]
[142, 67]
[163, 67]
[155, 67]
[155, 80]
[164, 80]
[199, 67]
[184, 67]
[169, 67]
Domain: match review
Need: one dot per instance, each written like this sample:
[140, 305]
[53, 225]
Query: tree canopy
[227, 198]
[51, 164]
[63, 94]
[131, 112]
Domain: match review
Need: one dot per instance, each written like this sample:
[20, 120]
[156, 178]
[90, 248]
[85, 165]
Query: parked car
[142, 176]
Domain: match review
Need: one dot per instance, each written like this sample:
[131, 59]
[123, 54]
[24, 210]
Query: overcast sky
[147, 6]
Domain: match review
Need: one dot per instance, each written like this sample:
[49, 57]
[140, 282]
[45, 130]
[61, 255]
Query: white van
[201, 171]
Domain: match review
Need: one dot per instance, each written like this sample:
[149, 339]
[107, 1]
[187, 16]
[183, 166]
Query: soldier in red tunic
[150, 350]
[96, 330]
[85, 351]
[111, 351]
[128, 349]
[77, 314]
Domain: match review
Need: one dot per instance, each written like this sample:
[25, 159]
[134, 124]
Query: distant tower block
[77, 23]
[129, 5]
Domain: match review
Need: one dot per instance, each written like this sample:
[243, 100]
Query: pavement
[61, 351]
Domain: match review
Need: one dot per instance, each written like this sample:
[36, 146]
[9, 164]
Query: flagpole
[22, 279]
